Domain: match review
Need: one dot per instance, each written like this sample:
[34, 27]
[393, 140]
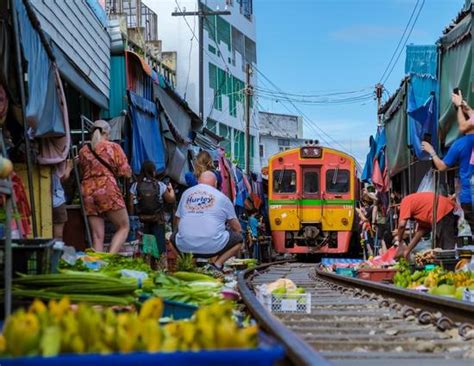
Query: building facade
[229, 44]
[277, 133]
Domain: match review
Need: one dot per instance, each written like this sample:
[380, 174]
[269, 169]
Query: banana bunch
[211, 328]
[58, 328]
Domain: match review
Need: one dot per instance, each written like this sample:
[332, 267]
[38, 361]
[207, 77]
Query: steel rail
[298, 351]
[460, 311]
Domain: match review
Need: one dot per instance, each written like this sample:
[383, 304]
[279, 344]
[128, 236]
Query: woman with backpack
[101, 162]
[149, 196]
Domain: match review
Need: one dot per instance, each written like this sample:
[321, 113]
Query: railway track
[353, 323]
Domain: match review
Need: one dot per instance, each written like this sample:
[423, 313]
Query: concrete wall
[272, 145]
[281, 125]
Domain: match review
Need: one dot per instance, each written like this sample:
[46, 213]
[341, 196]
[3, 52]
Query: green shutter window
[224, 32]
[211, 125]
[224, 132]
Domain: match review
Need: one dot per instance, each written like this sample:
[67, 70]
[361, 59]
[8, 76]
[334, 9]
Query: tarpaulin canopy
[369, 162]
[43, 110]
[118, 87]
[395, 120]
[147, 142]
[456, 72]
[181, 116]
[422, 66]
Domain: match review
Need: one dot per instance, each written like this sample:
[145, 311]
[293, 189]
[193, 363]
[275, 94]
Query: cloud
[366, 32]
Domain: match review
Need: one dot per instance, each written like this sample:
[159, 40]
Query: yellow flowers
[58, 328]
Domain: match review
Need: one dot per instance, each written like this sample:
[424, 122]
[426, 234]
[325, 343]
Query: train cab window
[337, 181]
[311, 182]
[284, 181]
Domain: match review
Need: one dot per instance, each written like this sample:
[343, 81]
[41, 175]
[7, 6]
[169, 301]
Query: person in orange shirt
[419, 207]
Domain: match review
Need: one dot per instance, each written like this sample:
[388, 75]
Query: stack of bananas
[56, 328]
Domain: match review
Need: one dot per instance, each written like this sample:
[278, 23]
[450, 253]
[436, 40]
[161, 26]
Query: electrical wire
[406, 40]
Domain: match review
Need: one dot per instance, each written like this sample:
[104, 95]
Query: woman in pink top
[102, 161]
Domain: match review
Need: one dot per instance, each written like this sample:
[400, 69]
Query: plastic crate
[29, 256]
[348, 272]
[286, 303]
[178, 310]
[262, 356]
[174, 309]
[377, 275]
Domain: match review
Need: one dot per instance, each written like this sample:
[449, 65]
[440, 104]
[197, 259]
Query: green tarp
[395, 120]
[456, 71]
[118, 87]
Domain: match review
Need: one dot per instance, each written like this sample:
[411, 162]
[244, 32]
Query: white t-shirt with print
[203, 212]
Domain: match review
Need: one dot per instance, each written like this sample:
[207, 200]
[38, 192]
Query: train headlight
[345, 221]
[278, 221]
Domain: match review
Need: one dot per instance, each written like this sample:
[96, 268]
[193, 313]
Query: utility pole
[378, 95]
[202, 15]
[248, 93]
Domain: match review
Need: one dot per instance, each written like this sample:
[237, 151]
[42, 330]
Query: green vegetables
[198, 292]
[79, 287]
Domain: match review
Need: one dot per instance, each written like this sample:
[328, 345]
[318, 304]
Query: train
[313, 192]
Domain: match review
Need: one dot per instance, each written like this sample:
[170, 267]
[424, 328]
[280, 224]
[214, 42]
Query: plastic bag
[428, 182]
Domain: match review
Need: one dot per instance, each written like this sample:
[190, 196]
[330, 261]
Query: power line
[313, 124]
[406, 40]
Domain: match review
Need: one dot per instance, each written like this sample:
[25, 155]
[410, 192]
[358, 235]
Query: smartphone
[456, 91]
[166, 180]
[427, 137]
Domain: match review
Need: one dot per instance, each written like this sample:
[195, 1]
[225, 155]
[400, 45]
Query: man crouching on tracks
[419, 207]
[202, 215]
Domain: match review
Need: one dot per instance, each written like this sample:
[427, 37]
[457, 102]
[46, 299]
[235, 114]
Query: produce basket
[178, 310]
[286, 303]
[174, 309]
[29, 256]
[348, 272]
[377, 275]
[267, 354]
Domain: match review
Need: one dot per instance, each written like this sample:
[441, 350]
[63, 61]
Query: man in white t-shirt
[202, 216]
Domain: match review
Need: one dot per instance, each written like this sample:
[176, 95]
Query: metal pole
[8, 256]
[29, 164]
[248, 93]
[435, 210]
[201, 62]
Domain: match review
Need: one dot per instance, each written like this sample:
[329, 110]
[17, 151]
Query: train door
[310, 202]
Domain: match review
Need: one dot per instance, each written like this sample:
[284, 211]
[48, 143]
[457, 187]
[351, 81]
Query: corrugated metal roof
[75, 29]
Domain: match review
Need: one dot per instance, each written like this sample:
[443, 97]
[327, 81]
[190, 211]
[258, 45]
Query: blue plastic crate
[174, 309]
[265, 355]
[348, 272]
[178, 310]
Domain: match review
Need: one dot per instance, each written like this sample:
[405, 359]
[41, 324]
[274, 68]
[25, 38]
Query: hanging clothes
[22, 204]
[422, 124]
[55, 150]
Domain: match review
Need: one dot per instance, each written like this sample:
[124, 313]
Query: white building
[278, 132]
[229, 43]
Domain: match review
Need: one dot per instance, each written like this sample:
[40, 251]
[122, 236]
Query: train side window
[337, 181]
[284, 181]
[311, 182]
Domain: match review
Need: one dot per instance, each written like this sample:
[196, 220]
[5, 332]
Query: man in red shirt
[419, 207]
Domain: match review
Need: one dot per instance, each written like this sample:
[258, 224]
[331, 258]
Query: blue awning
[43, 108]
[147, 142]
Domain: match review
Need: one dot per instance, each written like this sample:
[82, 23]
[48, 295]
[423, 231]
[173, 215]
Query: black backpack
[150, 202]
